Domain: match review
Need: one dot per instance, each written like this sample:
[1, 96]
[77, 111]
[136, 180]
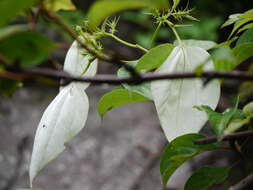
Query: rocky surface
[119, 152]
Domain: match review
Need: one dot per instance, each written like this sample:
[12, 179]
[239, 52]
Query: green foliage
[27, 48]
[243, 51]
[56, 5]
[224, 59]
[154, 58]
[220, 121]
[239, 21]
[104, 8]
[117, 98]
[205, 29]
[10, 8]
[206, 177]
[246, 37]
[11, 30]
[179, 151]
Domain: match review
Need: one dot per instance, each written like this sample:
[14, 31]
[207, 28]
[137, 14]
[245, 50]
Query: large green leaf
[104, 8]
[56, 5]
[26, 48]
[243, 51]
[247, 37]
[10, 8]
[116, 98]
[206, 177]
[154, 58]
[179, 151]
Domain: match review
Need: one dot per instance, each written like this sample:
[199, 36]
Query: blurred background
[122, 150]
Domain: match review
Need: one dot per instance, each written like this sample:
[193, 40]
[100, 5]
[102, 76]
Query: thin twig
[113, 79]
[246, 183]
[214, 139]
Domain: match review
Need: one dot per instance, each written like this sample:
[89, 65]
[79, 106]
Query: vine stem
[155, 34]
[57, 20]
[137, 46]
[172, 26]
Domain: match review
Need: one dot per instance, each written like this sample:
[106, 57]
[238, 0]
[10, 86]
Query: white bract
[175, 99]
[65, 116]
[78, 64]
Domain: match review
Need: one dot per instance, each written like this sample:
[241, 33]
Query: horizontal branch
[113, 79]
[231, 136]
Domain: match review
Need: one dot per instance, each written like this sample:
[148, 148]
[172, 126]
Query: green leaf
[142, 89]
[154, 58]
[243, 51]
[245, 27]
[247, 37]
[206, 177]
[231, 20]
[26, 48]
[117, 98]
[104, 8]
[220, 122]
[11, 30]
[179, 151]
[10, 8]
[56, 5]
[248, 109]
[224, 59]
[243, 19]
[204, 44]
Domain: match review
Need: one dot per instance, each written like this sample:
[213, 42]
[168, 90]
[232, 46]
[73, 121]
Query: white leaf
[76, 63]
[62, 120]
[174, 99]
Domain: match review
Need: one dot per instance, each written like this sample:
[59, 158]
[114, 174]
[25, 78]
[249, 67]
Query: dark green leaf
[26, 48]
[10, 8]
[154, 58]
[247, 37]
[104, 8]
[206, 177]
[179, 151]
[117, 98]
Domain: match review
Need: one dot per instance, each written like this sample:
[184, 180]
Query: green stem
[174, 31]
[137, 46]
[155, 34]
